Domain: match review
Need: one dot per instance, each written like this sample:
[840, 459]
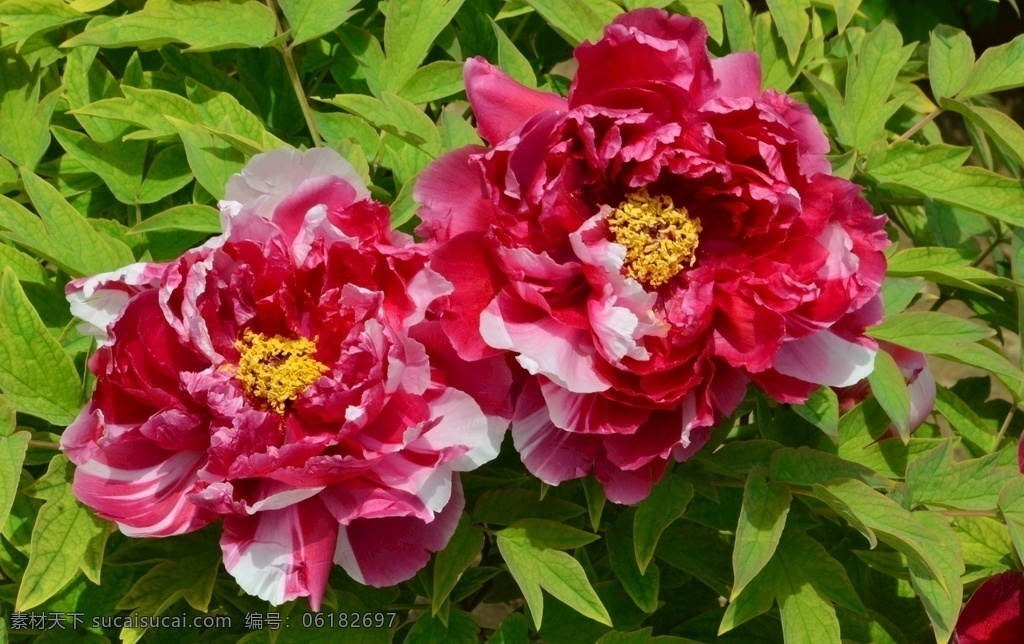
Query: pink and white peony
[647, 247]
[286, 377]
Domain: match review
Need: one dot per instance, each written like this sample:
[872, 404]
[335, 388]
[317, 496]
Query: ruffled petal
[738, 75]
[501, 104]
[279, 555]
[825, 359]
[142, 487]
[451, 195]
[270, 177]
[387, 551]
[99, 300]
[544, 346]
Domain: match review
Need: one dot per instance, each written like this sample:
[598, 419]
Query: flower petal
[545, 346]
[270, 177]
[142, 487]
[388, 551]
[99, 300]
[825, 359]
[279, 555]
[501, 104]
[993, 614]
[738, 75]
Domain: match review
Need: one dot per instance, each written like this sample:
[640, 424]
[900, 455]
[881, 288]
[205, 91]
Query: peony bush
[472, 320]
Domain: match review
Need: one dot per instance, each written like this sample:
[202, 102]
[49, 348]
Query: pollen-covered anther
[659, 237]
[276, 369]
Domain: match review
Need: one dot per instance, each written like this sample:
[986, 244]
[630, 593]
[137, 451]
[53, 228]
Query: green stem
[920, 124]
[44, 445]
[1005, 426]
[293, 76]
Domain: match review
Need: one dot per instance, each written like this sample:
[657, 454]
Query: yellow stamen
[277, 369]
[659, 238]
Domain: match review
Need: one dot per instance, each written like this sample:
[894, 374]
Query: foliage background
[120, 122]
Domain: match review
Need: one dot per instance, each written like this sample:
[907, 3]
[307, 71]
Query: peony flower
[994, 613]
[287, 378]
[920, 385]
[647, 247]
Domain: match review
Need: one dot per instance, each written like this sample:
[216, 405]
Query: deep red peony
[647, 247]
[994, 613]
[286, 377]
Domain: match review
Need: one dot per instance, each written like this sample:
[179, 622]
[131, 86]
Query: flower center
[277, 369]
[659, 238]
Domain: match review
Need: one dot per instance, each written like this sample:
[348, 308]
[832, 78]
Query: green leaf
[511, 60]
[978, 355]
[395, 115]
[433, 82]
[449, 564]
[804, 579]
[929, 332]
[869, 84]
[535, 568]
[882, 517]
[23, 19]
[935, 172]
[999, 68]
[577, 20]
[845, 11]
[337, 127]
[666, 503]
[944, 266]
[309, 19]
[145, 108]
[515, 629]
[36, 374]
[1011, 505]
[456, 131]
[950, 59]
[762, 519]
[936, 479]
[203, 219]
[204, 26]
[212, 160]
[986, 543]
[12, 456]
[642, 587]
[410, 28]
[191, 577]
[596, 499]
[777, 71]
[26, 267]
[460, 629]
[698, 551]
[24, 119]
[168, 172]
[806, 466]
[1003, 129]
[737, 25]
[61, 537]
[367, 52]
[118, 163]
[898, 293]
[822, 411]
[793, 23]
[505, 507]
[941, 596]
[59, 233]
[549, 534]
[890, 390]
[965, 421]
